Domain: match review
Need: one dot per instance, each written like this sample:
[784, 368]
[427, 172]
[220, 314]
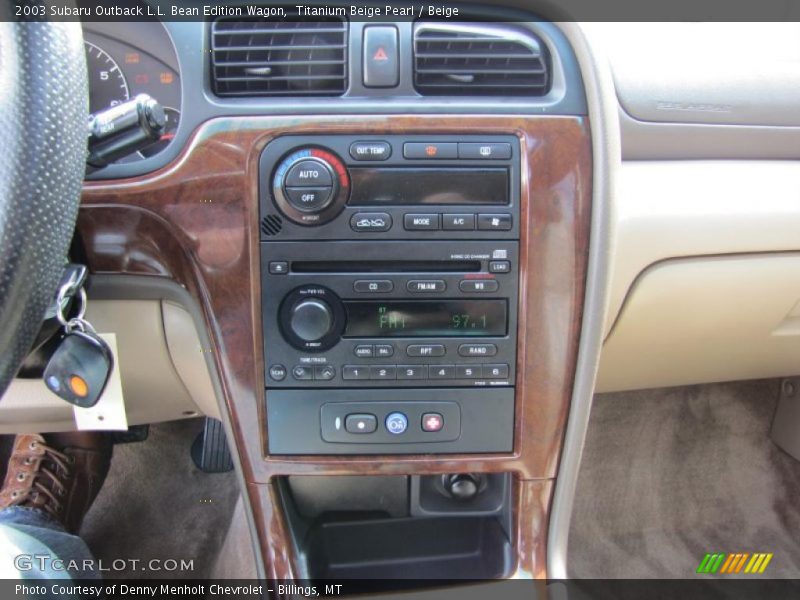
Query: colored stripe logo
[734, 563]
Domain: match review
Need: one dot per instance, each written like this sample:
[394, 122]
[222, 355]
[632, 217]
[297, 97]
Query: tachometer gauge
[106, 80]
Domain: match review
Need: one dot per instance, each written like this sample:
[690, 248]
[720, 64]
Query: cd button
[426, 286]
[480, 286]
[425, 350]
[477, 350]
[426, 222]
[308, 173]
[373, 286]
[309, 198]
[370, 222]
[458, 222]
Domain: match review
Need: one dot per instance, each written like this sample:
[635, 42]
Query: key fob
[79, 368]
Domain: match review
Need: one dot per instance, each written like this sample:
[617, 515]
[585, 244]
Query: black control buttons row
[396, 423]
[462, 150]
[433, 286]
[308, 185]
[377, 222]
[423, 350]
[369, 351]
[304, 372]
[418, 351]
[456, 222]
[405, 372]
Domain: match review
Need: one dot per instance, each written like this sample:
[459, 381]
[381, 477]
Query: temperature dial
[311, 186]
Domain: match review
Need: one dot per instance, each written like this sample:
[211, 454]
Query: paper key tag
[109, 412]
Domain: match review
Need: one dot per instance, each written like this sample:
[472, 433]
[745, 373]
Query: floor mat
[156, 505]
[671, 474]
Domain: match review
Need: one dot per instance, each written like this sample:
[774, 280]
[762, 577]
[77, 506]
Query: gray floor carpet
[671, 474]
[156, 504]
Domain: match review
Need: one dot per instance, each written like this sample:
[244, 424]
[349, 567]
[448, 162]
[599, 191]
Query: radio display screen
[426, 318]
[392, 186]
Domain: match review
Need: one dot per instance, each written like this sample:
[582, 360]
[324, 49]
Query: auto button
[308, 173]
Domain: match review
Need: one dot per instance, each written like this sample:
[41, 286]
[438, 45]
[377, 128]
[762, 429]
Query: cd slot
[386, 266]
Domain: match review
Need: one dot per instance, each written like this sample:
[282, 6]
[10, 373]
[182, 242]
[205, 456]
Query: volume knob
[311, 320]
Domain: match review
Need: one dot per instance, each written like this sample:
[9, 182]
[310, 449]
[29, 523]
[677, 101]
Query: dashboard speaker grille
[478, 60]
[258, 57]
[271, 225]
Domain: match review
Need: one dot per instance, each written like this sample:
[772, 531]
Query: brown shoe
[59, 473]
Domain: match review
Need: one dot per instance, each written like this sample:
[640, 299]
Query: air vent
[478, 60]
[271, 225]
[257, 57]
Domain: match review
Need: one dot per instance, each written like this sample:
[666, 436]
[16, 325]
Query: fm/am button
[426, 286]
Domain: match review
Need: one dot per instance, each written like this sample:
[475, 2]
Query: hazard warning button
[381, 65]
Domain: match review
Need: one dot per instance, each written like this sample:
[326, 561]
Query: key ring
[65, 292]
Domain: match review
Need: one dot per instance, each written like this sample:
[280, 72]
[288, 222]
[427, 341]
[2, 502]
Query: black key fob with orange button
[79, 368]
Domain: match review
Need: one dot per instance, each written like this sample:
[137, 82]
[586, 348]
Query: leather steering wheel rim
[43, 115]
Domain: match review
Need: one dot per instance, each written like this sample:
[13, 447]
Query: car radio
[433, 314]
[390, 282]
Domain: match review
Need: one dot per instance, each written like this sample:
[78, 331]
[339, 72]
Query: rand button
[477, 350]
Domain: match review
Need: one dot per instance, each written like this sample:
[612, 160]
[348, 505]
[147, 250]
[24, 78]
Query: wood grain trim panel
[196, 222]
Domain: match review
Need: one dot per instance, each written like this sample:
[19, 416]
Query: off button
[309, 199]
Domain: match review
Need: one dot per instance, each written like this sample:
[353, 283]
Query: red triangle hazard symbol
[380, 54]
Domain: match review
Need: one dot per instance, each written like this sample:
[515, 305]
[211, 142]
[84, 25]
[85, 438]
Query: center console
[390, 285]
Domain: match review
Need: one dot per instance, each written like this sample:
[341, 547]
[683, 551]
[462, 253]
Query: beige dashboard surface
[161, 360]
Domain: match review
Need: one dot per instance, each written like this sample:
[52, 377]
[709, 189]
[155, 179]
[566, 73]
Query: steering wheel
[43, 116]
